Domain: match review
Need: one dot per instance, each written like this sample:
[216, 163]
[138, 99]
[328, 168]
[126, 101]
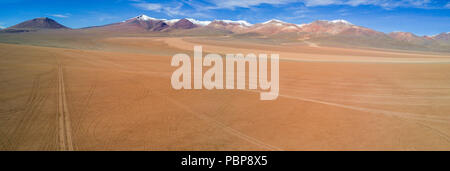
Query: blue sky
[422, 17]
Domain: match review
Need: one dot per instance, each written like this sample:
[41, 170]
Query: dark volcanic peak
[184, 24]
[39, 23]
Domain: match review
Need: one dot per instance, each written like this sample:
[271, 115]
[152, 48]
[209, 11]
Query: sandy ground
[114, 99]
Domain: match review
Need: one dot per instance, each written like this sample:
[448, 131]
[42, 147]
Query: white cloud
[166, 8]
[197, 8]
[170, 9]
[149, 6]
[60, 15]
[321, 2]
[382, 3]
[448, 5]
[232, 4]
[389, 4]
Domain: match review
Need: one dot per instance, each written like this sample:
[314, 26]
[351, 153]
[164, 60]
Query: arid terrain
[113, 92]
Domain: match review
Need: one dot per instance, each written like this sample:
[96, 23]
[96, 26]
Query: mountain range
[324, 32]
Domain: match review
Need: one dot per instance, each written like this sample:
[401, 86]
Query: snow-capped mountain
[273, 27]
[170, 22]
[238, 22]
[328, 27]
[332, 30]
[146, 23]
[147, 18]
[141, 22]
[340, 22]
[144, 18]
[199, 23]
[275, 21]
[270, 27]
[233, 26]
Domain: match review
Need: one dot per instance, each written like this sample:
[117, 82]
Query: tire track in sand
[221, 125]
[64, 125]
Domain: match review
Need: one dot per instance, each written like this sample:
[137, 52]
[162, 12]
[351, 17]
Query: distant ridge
[320, 32]
[273, 26]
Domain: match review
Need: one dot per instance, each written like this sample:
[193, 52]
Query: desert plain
[113, 92]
